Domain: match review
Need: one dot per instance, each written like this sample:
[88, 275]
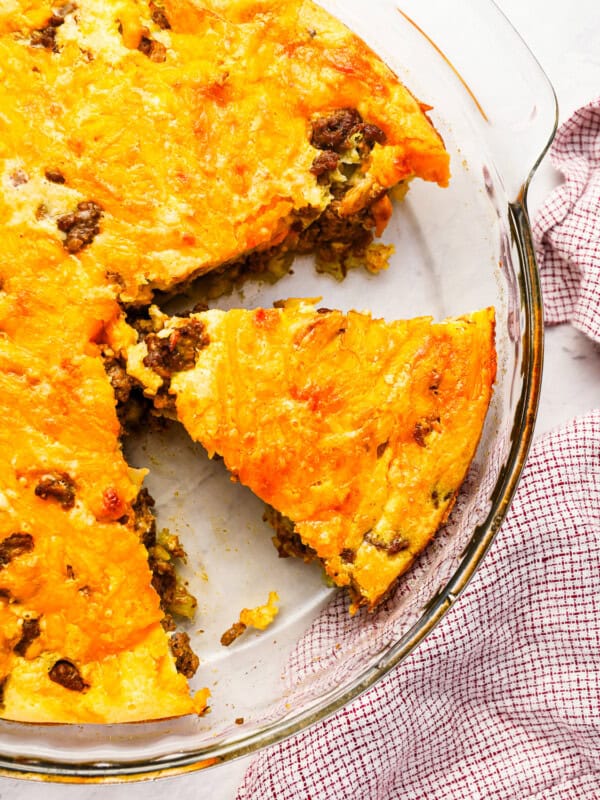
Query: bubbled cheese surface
[199, 157]
[193, 160]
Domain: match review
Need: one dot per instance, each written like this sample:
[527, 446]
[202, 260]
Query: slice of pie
[81, 638]
[357, 432]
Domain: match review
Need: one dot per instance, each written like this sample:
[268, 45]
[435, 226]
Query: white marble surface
[565, 37]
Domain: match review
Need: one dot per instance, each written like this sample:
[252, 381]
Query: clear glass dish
[456, 250]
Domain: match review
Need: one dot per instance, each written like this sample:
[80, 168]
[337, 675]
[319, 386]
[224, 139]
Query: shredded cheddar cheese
[142, 144]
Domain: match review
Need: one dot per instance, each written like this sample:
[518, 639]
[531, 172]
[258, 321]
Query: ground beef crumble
[122, 383]
[67, 675]
[159, 16]
[81, 226]
[233, 633]
[396, 544]
[164, 580]
[287, 542]
[57, 486]
[144, 520]
[17, 544]
[30, 631]
[178, 351]
[155, 50]
[333, 132]
[186, 661]
[325, 162]
[132, 406]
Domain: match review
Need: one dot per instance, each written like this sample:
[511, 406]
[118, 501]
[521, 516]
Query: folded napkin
[568, 227]
[502, 700]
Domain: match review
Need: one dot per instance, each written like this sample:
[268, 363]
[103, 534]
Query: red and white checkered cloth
[502, 700]
[568, 227]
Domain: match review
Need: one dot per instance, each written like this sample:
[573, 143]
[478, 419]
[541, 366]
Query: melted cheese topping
[193, 159]
[357, 430]
[199, 158]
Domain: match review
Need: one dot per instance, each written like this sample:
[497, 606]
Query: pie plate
[456, 250]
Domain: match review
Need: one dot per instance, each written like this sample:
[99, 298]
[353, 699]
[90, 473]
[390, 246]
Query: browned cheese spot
[46, 37]
[3, 682]
[434, 382]
[19, 177]
[381, 448]
[423, 428]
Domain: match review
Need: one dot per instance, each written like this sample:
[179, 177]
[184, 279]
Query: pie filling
[143, 145]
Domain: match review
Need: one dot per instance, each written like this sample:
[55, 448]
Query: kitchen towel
[502, 700]
[567, 229]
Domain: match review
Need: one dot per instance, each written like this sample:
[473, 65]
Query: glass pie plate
[457, 250]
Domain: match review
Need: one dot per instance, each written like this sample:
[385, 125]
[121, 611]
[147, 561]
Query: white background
[565, 38]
